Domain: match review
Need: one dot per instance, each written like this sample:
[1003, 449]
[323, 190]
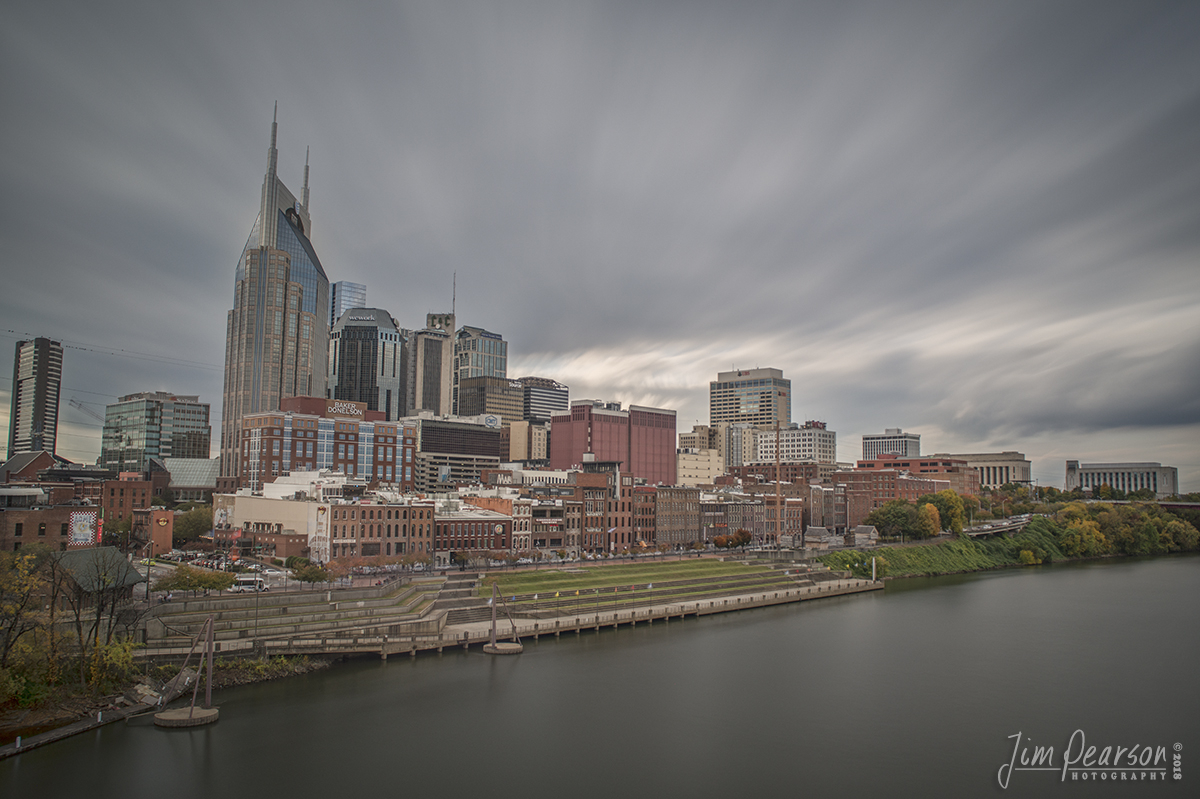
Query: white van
[248, 583]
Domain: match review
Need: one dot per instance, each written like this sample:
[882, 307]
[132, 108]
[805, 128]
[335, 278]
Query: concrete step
[302, 628]
[242, 627]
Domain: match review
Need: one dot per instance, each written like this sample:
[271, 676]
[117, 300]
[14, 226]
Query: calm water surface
[914, 691]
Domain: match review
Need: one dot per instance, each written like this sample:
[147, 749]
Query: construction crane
[77, 404]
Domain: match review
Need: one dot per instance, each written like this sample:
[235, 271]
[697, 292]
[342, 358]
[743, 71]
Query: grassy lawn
[590, 577]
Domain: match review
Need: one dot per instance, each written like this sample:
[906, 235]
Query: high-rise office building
[543, 398]
[761, 397]
[894, 441]
[495, 396]
[367, 361]
[277, 339]
[344, 295]
[477, 353]
[153, 424]
[36, 382]
[432, 358]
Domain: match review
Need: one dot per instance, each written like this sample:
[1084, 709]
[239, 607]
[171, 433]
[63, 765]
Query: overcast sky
[978, 221]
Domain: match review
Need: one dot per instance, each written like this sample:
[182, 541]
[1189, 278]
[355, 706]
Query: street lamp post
[147, 549]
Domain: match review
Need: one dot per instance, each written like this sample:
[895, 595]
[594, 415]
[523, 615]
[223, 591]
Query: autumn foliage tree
[1083, 538]
[929, 522]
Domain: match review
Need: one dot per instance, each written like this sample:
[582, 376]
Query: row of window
[19, 529]
[379, 531]
[369, 513]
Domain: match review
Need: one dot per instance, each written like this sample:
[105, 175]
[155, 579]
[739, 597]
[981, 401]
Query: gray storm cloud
[974, 219]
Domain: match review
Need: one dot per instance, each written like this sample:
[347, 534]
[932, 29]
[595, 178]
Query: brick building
[465, 532]
[963, 478]
[869, 489]
[309, 434]
[789, 472]
[677, 516]
[25, 519]
[122, 496]
[641, 440]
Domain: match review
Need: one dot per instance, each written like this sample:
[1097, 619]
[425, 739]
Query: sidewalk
[649, 613]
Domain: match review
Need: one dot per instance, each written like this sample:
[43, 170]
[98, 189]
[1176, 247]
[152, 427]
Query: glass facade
[344, 295]
[277, 338]
[153, 425]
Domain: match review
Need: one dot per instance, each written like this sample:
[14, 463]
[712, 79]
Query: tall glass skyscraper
[344, 295]
[368, 361]
[277, 340]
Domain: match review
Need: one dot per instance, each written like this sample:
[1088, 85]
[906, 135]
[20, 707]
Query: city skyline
[974, 223]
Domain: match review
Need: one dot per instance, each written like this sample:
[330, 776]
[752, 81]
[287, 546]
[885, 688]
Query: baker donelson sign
[344, 408]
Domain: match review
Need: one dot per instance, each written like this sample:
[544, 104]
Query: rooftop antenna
[453, 293]
[304, 200]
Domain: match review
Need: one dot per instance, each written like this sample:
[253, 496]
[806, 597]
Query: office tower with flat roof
[432, 357]
[153, 424]
[344, 295]
[36, 382]
[477, 353]
[492, 396]
[543, 398]
[761, 397]
[367, 361]
[277, 338]
[894, 441]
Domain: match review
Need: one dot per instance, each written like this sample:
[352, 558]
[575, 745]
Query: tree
[1184, 535]
[951, 510]
[895, 519]
[1083, 538]
[311, 573]
[21, 581]
[185, 578]
[116, 533]
[929, 523]
[193, 524]
[95, 585]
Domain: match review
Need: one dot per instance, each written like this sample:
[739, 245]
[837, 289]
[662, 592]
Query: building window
[18, 528]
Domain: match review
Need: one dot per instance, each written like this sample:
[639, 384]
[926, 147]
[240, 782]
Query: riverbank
[1043, 541]
[44, 721]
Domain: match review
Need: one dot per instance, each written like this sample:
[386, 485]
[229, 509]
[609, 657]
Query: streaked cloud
[974, 220]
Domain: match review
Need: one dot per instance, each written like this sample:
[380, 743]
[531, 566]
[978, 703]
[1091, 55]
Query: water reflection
[913, 690]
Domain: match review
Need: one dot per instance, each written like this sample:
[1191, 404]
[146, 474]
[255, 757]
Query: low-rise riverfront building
[1127, 477]
[996, 469]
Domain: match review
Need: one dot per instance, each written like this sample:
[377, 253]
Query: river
[914, 690]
